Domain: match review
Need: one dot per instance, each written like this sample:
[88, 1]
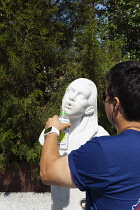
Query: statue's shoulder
[101, 131]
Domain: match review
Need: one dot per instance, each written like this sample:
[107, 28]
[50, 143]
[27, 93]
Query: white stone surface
[25, 201]
[80, 104]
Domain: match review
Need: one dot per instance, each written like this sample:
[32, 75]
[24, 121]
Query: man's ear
[89, 110]
[116, 103]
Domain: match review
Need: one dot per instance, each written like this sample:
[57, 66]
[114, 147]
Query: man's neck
[128, 125]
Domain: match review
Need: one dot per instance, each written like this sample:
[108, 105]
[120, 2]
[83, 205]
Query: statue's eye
[70, 90]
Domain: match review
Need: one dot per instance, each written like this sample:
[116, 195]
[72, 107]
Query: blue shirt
[108, 169]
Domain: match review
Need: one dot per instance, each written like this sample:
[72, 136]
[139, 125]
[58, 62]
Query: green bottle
[63, 141]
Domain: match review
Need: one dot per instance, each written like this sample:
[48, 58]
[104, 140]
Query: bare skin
[54, 170]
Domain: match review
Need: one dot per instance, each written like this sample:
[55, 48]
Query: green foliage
[123, 23]
[45, 45]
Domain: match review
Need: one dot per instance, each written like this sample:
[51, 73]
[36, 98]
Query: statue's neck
[75, 123]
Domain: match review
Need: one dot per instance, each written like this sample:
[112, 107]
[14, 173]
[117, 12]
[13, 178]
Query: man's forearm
[50, 153]
[54, 170]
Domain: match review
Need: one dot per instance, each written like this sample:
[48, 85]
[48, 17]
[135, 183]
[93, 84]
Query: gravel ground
[25, 201]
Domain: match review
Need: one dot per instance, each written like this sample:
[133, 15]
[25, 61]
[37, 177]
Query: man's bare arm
[54, 169]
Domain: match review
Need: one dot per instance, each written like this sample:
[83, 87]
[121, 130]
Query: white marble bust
[80, 103]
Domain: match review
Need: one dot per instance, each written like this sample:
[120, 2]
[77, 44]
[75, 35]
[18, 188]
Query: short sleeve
[88, 166]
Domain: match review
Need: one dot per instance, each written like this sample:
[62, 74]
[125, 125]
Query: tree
[123, 23]
[33, 45]
[45, 45]
[36, 45]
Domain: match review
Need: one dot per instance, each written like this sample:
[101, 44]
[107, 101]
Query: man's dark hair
[124, 83]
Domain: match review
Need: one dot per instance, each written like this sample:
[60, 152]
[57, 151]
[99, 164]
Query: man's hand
[55, 122]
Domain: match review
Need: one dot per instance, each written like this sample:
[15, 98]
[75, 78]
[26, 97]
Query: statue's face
[75, 100]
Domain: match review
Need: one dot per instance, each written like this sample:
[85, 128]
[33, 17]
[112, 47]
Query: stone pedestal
[64, 198]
